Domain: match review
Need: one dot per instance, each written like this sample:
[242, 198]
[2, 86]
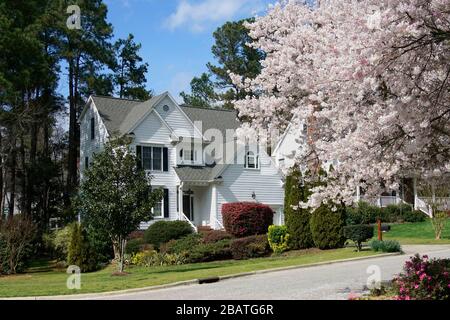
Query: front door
[188, 206]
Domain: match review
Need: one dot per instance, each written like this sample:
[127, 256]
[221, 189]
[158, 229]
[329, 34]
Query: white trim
[146, 114]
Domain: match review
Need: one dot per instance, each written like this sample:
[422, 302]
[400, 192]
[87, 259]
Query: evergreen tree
[130, 72]
[115, 195]
[202, 92]
[297, 218]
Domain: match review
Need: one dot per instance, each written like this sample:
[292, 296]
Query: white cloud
[180, 82]
[197, 15]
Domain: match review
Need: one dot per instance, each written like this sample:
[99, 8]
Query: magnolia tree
[369, 78]
[115, 195]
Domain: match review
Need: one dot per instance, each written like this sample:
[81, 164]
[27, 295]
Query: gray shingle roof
[220, 119]
[113, 111]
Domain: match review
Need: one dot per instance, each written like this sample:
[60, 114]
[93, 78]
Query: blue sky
[176, 35]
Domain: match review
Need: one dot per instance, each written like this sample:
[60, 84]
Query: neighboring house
[409, 192]
[179, 147]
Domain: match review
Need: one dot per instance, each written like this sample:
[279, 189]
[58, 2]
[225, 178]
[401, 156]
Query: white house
[191, 153]
[409, 193]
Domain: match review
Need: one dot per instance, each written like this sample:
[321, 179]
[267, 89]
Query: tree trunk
[1, 178]
[23, 180]
[13, 179]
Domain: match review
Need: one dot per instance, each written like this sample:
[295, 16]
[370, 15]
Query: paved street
[334, 281]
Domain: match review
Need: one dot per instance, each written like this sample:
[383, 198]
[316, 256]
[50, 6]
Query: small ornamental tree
[115, 195]
[243, 219]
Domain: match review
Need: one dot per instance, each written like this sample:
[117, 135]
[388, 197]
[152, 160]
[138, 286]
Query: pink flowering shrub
[424, 279]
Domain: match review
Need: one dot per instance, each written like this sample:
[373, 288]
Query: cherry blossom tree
[369, 78]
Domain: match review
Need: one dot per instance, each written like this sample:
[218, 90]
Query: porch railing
[218, 224]
[422, 205]
[185, 218]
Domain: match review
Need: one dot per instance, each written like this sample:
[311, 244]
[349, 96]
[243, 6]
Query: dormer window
[251, 160]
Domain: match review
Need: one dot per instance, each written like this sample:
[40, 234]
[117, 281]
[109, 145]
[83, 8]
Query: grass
[417, 233]
[40, 281]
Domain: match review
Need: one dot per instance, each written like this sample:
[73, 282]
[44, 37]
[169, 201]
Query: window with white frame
[157, 210]
[251, 160]
[188, 154]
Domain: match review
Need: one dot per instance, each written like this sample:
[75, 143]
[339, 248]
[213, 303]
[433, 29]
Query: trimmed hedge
[385, 246]
[278, 238]
[184, 244]
[365, 213]
[358, 234]
[327, 227]
[250, 247]
[162, 231]
[215, 236]
[243, 219]
[205, 252]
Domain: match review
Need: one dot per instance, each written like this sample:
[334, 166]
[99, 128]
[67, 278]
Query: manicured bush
[246, 218]
[152, 258]
[363, 213]
[327, 227]
[278, 238]
[423, 279]
[385, 246]
[204, 252]
[184, 244]
[134, 246]
[250, 247]
[162, 231]
[80, 252]
[358, 234]
[295, 217]
[16, 237]
[215, 235]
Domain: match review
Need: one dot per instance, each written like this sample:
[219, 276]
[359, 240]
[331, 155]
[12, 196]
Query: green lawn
[417, 233]
[42, 281]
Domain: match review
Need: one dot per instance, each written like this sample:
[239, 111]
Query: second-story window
[153, 158]
[92, 128]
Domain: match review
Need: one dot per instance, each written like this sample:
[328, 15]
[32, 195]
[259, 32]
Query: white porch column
[415, 192]
[358, 193]
[180, 201]
[213, 211]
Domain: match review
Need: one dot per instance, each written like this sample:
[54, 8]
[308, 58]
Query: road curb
[82, 296]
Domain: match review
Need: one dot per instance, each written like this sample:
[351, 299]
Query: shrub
[297, 218]
[152, 258]
[16, 236]
[423, 279]
[58, 242]
[250, 247]
[402, 213]
[215, 235]
[327, 227]
[134, 245]
[438, 222]
[246, 218]
[363, 213]
[204, 252]
[163, 231]
[80, 252]
[385, 246]
[184, 244]
[358, 234]
[278, 238]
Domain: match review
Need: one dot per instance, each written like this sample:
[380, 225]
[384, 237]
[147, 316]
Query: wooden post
[380, 234]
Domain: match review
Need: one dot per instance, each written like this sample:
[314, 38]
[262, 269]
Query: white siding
[88, 146]
[176, 119]
[239, 184]
[152, 131]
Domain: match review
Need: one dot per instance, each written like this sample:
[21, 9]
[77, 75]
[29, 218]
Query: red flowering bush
[243, 219]
[424, 279]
